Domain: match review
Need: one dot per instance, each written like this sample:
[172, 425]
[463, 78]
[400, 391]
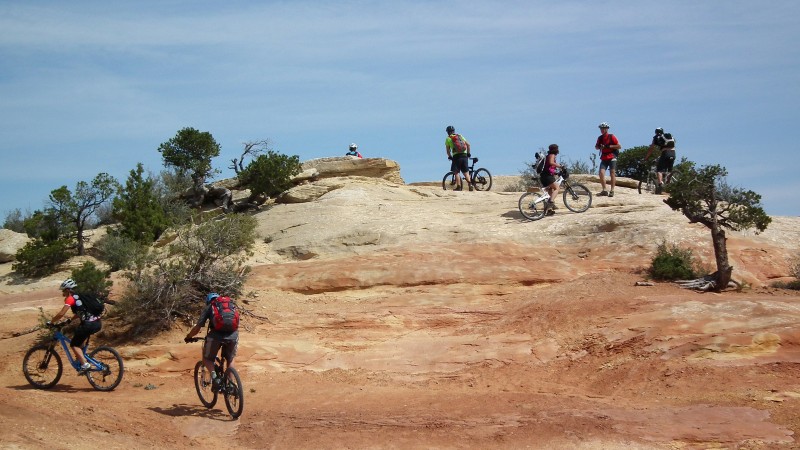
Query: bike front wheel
[648, 185]
[530, 207]
[482, 180]
[451, 183]
[109, 375]
[234, 393]
[577, 198]
[204, 386]
[42, 366]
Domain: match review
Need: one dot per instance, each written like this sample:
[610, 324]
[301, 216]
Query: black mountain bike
[481, 179]
[230, 384]
[577, 198]
[650, 182]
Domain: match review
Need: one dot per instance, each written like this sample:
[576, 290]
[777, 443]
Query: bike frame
[65, 341]
[544, 195]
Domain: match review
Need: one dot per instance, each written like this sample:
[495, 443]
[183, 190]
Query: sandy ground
[486, 343]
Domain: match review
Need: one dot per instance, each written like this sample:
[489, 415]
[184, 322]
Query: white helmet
[69, 283]
[353, 146]
[604, 125]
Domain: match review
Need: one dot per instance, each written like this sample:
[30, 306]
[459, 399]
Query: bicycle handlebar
[60, 324]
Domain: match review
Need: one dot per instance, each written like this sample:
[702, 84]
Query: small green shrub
[92, 280]
[39, 258]
[120, 252]
[794, 285]
[672, 263]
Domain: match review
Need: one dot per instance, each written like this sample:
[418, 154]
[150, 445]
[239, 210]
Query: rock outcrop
[348, 166]
[10, 243]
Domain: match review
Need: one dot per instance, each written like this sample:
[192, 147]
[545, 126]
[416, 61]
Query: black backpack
[538, 166]
[90, 303]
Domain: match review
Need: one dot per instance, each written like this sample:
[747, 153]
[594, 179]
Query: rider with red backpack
[458, 151]
[222, 316]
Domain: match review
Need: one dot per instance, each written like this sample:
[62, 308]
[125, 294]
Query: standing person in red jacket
[609, 148]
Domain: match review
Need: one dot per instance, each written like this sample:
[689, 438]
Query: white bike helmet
[69, 283]
[604, 125]
[353, 146]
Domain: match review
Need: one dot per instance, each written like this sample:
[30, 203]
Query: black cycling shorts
[460, 163]
[665, 161]
[84, 330]
[212, 347]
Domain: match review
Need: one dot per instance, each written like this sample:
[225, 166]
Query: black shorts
[665, 161]
[212, 347]
[460, 163]
[547, 179]
[84, 330]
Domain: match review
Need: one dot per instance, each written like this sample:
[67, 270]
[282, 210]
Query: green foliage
[78, 208]
[121, 252]
[270, 174]
[191, 151]
[631, 163]
[703, 196]
[92, 280]
[672, 263]
[15, 221]
[208, 257]
[45, 225]
[39, 257]
[138, 209]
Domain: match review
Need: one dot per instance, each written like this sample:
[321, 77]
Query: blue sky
[96, 86]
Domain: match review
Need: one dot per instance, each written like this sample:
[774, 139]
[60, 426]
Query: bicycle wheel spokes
[42, 366]
[203, 386]
[109, 375]
[529, 207]
[234, 393]
[577, 198]
[449, 182]
[482, 180]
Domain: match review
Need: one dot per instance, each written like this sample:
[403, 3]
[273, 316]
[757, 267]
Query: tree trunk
[724, 269]
[81, 247]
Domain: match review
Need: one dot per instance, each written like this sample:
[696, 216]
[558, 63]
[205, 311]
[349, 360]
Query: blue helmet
[211, 297]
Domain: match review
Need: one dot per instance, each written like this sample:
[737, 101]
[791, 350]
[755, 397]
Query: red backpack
[459, 144]
[224, 315]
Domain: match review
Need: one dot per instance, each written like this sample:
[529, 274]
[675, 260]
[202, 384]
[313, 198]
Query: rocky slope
[405, 317]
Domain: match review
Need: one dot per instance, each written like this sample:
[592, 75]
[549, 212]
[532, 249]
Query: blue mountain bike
[43, 368]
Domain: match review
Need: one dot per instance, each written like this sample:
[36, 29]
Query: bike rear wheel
[529, 207]
[109, 377]
[234, 393]
[482, 180]
[42, 366]
[449, 182]
[203, 385]
[672, 177]
[577, 197]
